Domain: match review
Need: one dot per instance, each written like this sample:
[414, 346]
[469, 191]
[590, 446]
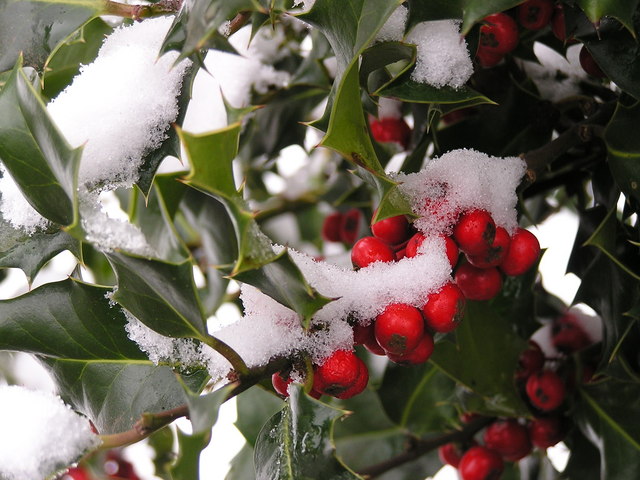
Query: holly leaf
[255, 406]
[470, 11]
[35, 153]
[187, 466]
[295, 444]
[79, 48]
[80, 337]
[31, 253]
[484, 358]
[203, 409]
[33, 29]
[608, 413]
[623, 11]
[242, 467]
[419, 399]
[624, 149]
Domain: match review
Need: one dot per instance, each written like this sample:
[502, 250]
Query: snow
[40, 435]
[393, 29]
[120, 107]
[15, 208]
[442, 55]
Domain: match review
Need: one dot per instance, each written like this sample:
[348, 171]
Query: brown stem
[539, 159]
[138, 12]
[420, 447]
[238, 22]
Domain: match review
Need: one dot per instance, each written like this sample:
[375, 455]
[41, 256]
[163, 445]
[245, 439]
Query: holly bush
[212, 223]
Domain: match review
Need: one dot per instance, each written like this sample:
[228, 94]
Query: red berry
[365, 336]
[450, 454]
[523, 253]
[415, 242]
[391, 129]
[368, 250]
[530, 361]
[399, 328]
[468, 417]
[535, 14]
[498, 34]
[589, 65]
[508, 438]
[546, 390]
[338, 373]
[281, 384]
[392, 230]
[350, 226]
[444, 309]
[480, 463]
[478, 283]
[117, 467]
[545, 432]
[358, 386]
[488, 59]
[76, 473]
[496, 253]
[568, 335]
[475, 231]
[331, 227]
[418, 355]
[558, 25]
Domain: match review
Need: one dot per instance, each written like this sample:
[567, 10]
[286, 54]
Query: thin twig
[138, 12]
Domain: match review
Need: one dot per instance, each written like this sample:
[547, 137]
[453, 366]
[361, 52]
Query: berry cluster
[499, 33]
[114, 466]
[342, 226]
[545, 384]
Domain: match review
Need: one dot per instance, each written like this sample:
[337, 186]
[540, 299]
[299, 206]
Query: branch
[238, 22]
[539, 159]
[420, 447]
[138, 12]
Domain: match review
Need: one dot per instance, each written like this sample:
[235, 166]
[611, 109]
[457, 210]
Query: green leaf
[623, 11]
[255, 406]
[471, 11]
[33, 252]
[295, 444]
[484, 359]
[242, 467]
[80, 48]
[161, 295]
[608, 413]
[187, 466]
[624, 148]
[79, 335]
[36, 154]
[34, 28]
[203, 409]
[418, 398]
[196, 26]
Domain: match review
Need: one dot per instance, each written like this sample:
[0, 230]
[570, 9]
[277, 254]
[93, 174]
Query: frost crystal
[393, 29]
[40, 435]
[443, 57]
[121, 105]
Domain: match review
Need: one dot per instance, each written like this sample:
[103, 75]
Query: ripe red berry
[118, 468]
[488, 59]
[281, 383]
[358, 385]
[496, 253]
[331, 227]
[418, 355]
[368, 250]
[350, 226]
[480, 463]
[498, 34]
[523, 253]
[558, 25]
[365, 336]
[568, 335]
[76, 473]
[530, 361]
[478, 283]
[535, 14]
[392, 230]
[589, 65]
[451, 247]
[545, 432]
[545, 390]
[338, 373]
[390, 129]
[399, 328]
[450, 454]
[475, 231]
[444, 309]
[508, 438]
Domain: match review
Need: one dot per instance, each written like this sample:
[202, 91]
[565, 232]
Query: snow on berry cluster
[545, 384]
